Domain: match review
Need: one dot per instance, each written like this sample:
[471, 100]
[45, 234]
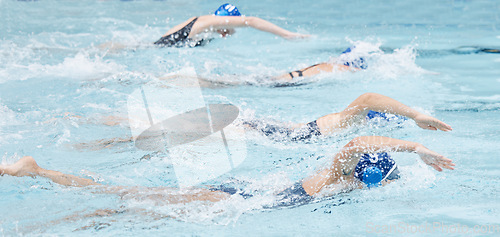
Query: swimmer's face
[226, 32]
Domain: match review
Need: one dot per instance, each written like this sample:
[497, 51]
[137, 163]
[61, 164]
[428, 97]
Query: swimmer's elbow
[356, 144]
[357, 141]
[350, 147]
[367, 99]
[251, 21]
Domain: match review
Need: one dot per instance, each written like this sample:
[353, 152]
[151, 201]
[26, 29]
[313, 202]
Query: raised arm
[267, 26]
[377, 144]
[223, 22]
[345, 161]
[380, 103]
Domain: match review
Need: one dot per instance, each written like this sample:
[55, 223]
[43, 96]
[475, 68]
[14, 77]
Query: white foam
[381, 65]
[388, 65]
[220, 213]
[22, 63]
[81, 66]
[223, 212]
[7, 116]
[7, 160]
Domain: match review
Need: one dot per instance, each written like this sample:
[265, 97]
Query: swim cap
[374, 168]
[356, 62]
[227, 10]
[372, 176]
[384, 116]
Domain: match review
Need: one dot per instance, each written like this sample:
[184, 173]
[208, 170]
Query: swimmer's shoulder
[207, 21]
[202, 23]
[179, 26]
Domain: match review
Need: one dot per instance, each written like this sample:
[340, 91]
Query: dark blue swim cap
[227, 10]
[374, 168]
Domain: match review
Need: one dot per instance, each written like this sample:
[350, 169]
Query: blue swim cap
[227, 10]
[374, 168]
[384, 116]
[357, 63]
[348, 50]
[372, 176]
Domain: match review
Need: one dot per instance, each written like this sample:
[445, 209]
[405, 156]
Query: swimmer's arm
[381, 103]
[346, 160]
[102, 144]
[222, 22]
[307, 72]
[313, 70]
[377, 144]
[267, 26]
[27, 166]
[322, 67]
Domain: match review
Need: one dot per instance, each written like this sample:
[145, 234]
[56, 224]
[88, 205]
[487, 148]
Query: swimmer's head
[358, 62]
[372, 176]
[372, 169]
[227, 10]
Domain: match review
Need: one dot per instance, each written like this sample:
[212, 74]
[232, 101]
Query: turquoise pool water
[50, 65]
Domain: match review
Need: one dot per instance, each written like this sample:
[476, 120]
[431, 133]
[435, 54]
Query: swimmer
[367, 105]
[345, 62]
[223, 22]
[343, 172]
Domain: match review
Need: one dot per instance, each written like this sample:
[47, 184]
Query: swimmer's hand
[292, 36]
[431, 123]
[434, 159]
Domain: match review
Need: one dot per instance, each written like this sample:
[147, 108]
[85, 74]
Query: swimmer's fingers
[439, 168]
[434, 159]
[297, 36]
[442, 126]
[435, 125]
[441, 162]
[450, 167]
[436, 167]
[431, 123]
[428, 127]
[304, 36]
[447, 164]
